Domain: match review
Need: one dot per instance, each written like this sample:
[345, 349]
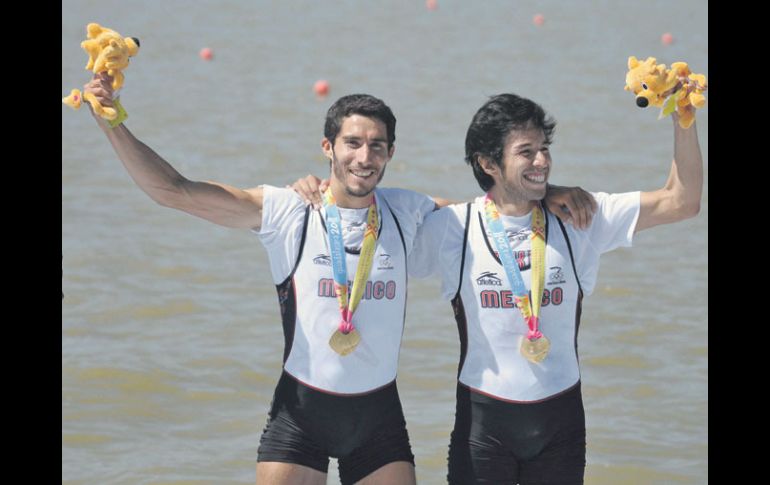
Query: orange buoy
[321, 88]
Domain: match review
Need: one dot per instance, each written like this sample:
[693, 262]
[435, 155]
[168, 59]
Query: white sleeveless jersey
[490, 325]
[495, 327]
[310, 310]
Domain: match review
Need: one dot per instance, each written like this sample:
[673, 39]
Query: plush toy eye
[644, 86]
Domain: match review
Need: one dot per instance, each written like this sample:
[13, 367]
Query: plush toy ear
[632, 62]
[93, 30]
[671, 77]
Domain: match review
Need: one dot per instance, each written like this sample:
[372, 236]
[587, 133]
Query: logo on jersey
[323, 260]
[517, 236]
[556, 276]
[488, 278]
[355, 226]
[384, 262]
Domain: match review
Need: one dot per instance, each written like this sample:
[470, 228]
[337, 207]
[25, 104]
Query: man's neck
[510, 206]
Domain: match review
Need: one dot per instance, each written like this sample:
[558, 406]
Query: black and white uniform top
[491, 326]
[298, 250]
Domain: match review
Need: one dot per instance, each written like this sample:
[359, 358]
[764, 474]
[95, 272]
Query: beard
[520, 191]
[364, 192]
[525, 194]
[341, 174]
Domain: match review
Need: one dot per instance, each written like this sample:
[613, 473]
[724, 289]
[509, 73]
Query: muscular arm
[219, 203]
[680, 198]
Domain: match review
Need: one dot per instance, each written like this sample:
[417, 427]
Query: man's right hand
[100, 89]
[310, 189]
[572, 205]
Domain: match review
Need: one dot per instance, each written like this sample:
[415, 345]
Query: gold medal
[344, 344]
[536, 350]
[345, 338]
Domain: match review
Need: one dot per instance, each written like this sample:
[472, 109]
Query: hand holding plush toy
[107, 52]
[670, 89]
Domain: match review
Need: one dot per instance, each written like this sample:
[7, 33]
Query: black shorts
[306, 427]
[499, 442]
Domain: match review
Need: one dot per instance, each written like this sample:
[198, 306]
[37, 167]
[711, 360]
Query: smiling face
[358, 158]
[520, 180]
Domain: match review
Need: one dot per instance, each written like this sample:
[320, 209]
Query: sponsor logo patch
[488, 278]
[322, 259]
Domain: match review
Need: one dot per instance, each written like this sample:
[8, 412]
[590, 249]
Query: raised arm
[680, 198]
[219, 203]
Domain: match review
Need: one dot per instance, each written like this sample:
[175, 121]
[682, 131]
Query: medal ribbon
[348, 297]
[530, 309]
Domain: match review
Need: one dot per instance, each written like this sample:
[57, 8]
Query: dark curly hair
[491, 125]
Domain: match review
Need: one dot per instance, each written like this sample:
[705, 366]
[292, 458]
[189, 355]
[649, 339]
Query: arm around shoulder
[680, 198]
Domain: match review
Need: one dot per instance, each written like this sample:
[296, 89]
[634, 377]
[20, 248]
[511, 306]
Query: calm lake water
[171, 341]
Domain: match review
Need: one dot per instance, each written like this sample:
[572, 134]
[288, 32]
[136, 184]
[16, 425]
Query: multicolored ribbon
[530, 309]
[349, 297]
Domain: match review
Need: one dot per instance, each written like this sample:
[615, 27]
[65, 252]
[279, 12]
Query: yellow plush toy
[107, 52]
[671, 89]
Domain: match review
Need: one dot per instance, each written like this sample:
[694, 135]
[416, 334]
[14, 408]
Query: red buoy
[321, 88]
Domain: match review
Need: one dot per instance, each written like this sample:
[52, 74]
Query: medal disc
[535, 350]
[344, 344]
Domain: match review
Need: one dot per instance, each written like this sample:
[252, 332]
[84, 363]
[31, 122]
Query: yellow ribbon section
[537, 275]
[365, 259]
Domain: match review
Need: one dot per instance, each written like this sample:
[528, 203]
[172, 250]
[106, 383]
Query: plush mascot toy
[670, 89]
[107, 52]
